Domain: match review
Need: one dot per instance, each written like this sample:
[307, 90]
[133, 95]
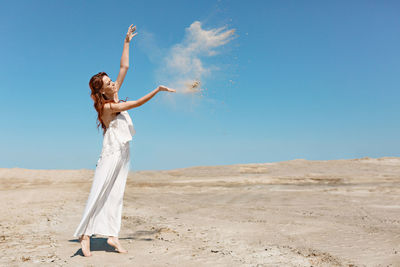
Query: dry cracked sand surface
[293, 213]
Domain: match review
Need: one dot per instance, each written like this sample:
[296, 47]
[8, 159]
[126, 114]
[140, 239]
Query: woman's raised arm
[124, 64]
[118, 107]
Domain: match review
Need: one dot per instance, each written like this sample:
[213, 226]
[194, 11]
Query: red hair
[95, 84]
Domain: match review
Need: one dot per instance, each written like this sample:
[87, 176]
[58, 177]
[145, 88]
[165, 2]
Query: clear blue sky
[317, 80]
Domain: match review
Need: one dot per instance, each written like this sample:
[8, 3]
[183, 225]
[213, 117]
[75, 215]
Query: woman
[102, 214]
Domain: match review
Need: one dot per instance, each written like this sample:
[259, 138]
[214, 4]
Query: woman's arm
[118, 107]
[124, 64]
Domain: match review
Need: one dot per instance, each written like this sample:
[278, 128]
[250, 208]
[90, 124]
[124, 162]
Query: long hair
[95, 84]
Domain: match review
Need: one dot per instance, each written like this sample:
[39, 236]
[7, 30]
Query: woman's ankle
[84, 237]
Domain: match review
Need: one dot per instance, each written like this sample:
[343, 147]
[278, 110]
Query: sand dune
[293, 213]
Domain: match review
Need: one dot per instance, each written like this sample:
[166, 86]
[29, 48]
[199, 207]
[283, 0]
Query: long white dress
[103, 211]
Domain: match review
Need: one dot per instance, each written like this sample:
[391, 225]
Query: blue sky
[316, 80]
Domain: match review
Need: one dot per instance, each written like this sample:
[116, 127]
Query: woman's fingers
[164, 88]
[131, 29]
[131, 32]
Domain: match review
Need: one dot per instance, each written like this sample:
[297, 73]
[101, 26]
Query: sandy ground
[293, 213]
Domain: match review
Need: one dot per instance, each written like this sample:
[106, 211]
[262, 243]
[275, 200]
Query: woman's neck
[113, 97]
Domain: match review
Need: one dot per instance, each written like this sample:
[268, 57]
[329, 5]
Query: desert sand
[293, 213]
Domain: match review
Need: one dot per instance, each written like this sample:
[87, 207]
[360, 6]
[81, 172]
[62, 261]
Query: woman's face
[108, 86]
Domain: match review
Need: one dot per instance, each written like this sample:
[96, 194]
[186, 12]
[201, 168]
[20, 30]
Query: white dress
[103, 211]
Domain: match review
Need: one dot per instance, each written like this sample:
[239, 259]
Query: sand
[293, 213]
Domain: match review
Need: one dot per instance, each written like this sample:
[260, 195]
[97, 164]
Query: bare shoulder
[111, 107]
[119, 107]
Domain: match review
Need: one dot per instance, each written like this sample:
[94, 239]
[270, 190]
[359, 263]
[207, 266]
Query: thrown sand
[293, 213]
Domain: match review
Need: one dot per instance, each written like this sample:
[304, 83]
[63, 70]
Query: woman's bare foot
[114, 242]
[85, 243]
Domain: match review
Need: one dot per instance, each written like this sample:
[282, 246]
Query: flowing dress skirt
[103, 211]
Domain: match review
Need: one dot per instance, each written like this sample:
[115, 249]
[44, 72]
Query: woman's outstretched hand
[164, 88]
[130, 33]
